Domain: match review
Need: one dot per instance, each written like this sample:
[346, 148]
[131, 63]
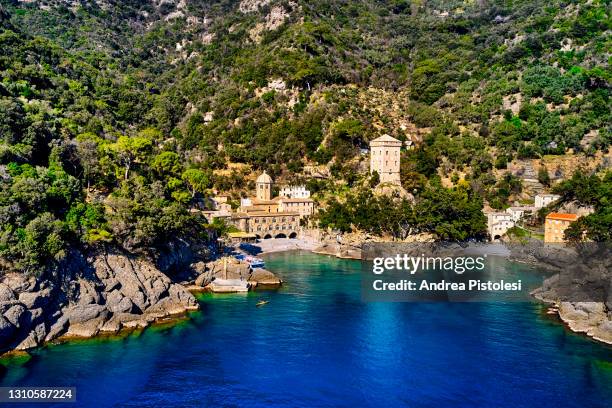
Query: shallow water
[317, 344]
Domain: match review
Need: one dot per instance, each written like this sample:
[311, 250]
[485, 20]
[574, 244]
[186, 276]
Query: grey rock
[113, 298]
[199, 267]
[28, 343]
[87, 328]
[34, 338]
[183, 296]
[112, 284]
[109, 293]
[33, 300]
[606, 326]
[16, 315]
[6, 294]
[57, 328]
[590, 307]
[83, 313]
[125, 305]
[264, 277]
[88, 293]
[16, 282]
[36, 314]
[203, 280]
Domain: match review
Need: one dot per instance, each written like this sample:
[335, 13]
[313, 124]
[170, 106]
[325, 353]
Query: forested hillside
[116, 115]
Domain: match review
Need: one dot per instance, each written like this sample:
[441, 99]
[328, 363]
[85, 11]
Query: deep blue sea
[316, 344]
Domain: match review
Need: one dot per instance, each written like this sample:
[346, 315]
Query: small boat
[262, 302]
[255, 262]
[228, 286]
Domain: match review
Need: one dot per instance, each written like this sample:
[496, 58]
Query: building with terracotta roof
[555, 226]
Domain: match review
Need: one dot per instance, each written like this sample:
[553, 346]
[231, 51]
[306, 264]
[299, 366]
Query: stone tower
[385, 159]
[263, 187]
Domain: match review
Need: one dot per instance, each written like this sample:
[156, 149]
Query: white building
[518, 213]
[498, 223]
[543, 200]
[294, 192]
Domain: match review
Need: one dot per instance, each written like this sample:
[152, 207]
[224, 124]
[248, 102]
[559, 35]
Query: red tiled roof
[562, 216]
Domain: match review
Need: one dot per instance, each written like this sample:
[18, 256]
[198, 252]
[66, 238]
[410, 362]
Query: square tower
[385, 159]
[263, 187]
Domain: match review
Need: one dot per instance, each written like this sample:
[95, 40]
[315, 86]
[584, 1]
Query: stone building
[268, 225]
[263, 187]
[297, 199]
[273, 217]
[555, 226]
[303, 206]
[385, 159]
[221, 204]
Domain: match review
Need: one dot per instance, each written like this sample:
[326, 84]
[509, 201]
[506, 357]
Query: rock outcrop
[581, 290]
[231, 268]
[104, 293]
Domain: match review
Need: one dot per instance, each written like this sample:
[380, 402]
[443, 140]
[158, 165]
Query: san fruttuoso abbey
[264, 216]
[385, 159]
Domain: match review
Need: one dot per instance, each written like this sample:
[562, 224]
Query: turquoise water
[317, 344]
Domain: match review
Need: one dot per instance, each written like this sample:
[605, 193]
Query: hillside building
[273, 217]
[555, 226]
[498, 223]
[543, 200]
[385, 159]
[294, 192]
[518, 213]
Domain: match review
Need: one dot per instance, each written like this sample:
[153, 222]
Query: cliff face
[104, 293]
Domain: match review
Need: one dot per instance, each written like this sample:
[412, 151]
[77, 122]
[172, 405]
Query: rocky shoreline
[105, 294]
[580, 291]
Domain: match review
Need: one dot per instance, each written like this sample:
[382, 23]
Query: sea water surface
[316, 344]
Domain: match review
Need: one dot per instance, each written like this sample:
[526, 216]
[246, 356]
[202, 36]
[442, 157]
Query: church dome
[264, 178]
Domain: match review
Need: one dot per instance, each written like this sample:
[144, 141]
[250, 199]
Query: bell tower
[263, 187]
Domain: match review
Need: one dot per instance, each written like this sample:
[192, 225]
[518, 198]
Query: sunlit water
[317, 344]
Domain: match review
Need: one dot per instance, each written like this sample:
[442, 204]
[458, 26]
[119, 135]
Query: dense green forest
[115, 116]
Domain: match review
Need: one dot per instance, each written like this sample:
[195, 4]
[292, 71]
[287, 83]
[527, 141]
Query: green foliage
[108, 132]
[197, 181]
[449, 214]
[549, 83]
[589, 190]
[167, 163]
[131, 150]
[543, 176]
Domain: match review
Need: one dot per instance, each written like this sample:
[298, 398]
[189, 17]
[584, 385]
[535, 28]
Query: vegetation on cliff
[116, 116]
